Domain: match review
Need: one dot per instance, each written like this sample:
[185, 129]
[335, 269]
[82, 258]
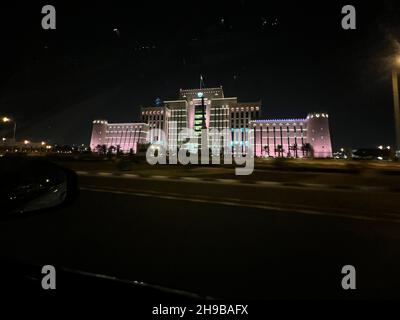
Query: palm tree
[280, 150]
[295, 149]
[307, 149]
[101, 149]
[111, 149]
[266, 150]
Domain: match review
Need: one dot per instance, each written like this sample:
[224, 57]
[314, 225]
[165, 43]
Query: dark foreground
[219, 239]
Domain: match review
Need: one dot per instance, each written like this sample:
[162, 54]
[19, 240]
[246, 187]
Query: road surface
[220, 238]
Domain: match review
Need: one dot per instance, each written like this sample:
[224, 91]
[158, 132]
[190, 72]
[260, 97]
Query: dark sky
[294, 56]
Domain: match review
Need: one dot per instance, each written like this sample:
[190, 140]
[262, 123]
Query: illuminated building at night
[126, 136]
[295, 138]
[208, 108]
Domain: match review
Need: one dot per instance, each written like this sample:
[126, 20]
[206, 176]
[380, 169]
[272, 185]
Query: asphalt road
[222, 239]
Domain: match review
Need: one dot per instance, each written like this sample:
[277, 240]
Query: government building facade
[208, 108]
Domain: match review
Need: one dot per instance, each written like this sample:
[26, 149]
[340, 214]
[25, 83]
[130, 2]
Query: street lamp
[395, 85]
[7, 119]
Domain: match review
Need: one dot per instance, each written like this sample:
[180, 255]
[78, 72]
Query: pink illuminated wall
[126, 136]
[99, 134]
[289, 137]
[318, 135]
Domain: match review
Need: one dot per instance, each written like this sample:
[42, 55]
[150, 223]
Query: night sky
[294, 56]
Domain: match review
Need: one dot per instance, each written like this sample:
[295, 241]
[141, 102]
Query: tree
[266, 150]
[295, 148]
[307, 150]
[101, 149]
[279, 149]
[110, 150]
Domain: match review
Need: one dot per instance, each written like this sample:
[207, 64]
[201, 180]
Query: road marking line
[205, 198]
[227, 180]
[316, 185]
[104, 173]
[260, 183]
[129, 175]
[158, 177]
[82, 172]
[191, 179]
[247, 205]
[269, 183]
[370, 188]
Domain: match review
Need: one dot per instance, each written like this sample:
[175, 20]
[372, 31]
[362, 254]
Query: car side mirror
[32, 184]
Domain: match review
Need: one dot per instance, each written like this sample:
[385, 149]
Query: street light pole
[15, 130]
[6, 119]
[396, 107]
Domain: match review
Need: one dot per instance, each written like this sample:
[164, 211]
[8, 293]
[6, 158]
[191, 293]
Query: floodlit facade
[208, 108]
[124, 136]
[295, 138]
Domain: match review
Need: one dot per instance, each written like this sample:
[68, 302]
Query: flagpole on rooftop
[201, 81]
